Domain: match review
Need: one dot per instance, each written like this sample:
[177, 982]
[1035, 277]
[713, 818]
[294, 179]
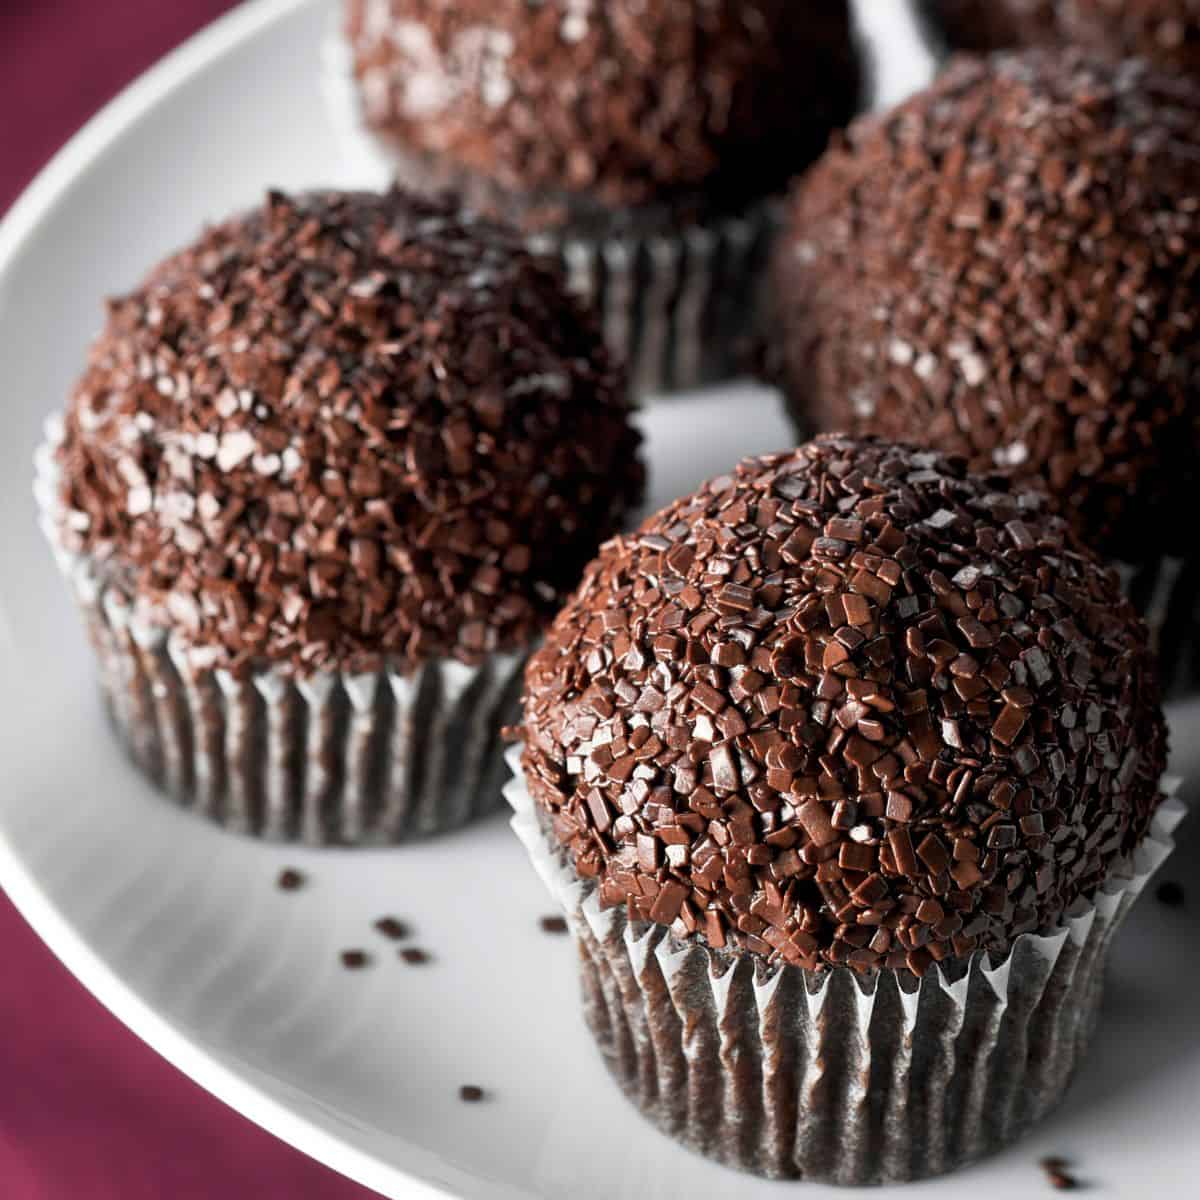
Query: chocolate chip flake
[555, 924]
[1058, 1174]
[290, 880]
[393, 929]
[861, 760]
[355, 960]
[469, 1093]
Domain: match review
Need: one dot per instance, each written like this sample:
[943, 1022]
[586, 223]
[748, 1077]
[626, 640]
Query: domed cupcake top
[616, 101]
[347, 427]
[847, 705]
[1008, 267]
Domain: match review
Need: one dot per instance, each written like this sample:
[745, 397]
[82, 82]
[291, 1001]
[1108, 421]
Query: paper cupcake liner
[679, 310]
[835, 1076]
[332, 757]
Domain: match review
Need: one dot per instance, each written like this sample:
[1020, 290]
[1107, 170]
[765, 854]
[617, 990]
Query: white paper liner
[329, 758]
[835, 1076]
[678, 310]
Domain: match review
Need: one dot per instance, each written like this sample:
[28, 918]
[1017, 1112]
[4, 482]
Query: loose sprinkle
[553, 924]
[1170, 894]
[392, 929]
[1058, 1175]
[290, 880]
[414, 955]
[354, 960]
[470, 1093]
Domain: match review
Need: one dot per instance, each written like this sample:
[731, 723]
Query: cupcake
[845, 769]
[643, 143]
[1167, 31]
[327, 475]
[1007, 267]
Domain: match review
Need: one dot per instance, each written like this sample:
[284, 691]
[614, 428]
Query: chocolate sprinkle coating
[847, 705]
[348, 428]
[619, 102]
[1166, 31]
[392, 929]
[1008, 267]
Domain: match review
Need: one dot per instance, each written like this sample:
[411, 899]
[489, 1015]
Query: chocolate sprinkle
[354, 960]
[1170, 894]
[1058, 1174]
[470, 1093]
[1007, 267]
[290, 880]
[853, 807]
[553, 924]
[414, 955]
[346, 428]
[392, 929]
[612, 104]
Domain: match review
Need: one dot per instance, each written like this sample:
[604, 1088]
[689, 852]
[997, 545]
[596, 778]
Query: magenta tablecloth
[86, 1110]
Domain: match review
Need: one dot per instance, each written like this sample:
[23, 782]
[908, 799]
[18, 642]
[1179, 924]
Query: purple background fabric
[86, 1109]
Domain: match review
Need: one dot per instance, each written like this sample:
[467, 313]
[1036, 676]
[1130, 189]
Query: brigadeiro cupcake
[1167, 31]
[845, 768]
[327, 474]
[1007, 266]
[641, 142]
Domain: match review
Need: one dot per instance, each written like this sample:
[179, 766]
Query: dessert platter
[842, 843]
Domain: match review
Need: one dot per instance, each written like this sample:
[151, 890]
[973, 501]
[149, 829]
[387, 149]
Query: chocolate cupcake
[845, 769]
[1166, 31]
[326, 477]
[1008, 267]
[641, 142]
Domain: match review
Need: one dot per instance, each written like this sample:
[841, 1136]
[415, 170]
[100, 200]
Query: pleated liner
[838, 1077]
[331, 758]
[678, 310]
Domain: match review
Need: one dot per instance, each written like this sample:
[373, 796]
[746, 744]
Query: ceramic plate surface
[180, 929]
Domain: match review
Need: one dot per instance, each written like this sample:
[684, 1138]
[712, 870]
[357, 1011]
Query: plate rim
[33, 206]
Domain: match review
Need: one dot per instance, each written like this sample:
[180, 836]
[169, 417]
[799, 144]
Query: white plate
[179, 929]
